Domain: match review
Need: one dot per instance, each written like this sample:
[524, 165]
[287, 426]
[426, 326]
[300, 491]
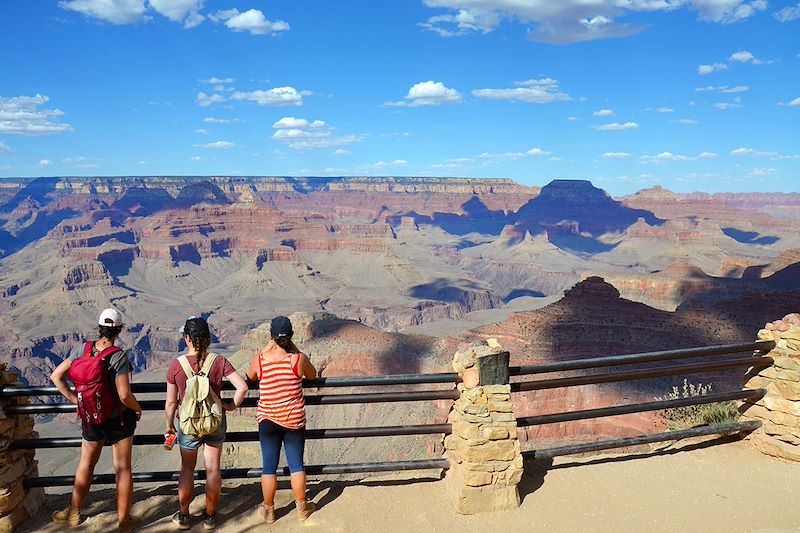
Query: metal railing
[755, 360]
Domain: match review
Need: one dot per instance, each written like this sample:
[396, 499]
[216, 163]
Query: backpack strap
[187, 368]
[87, 348]
[296, 357]
[207, 364]
[111, 350]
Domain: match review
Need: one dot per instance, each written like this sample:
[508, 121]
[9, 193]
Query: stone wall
[483, 449]
[16, 503]
[779, 410]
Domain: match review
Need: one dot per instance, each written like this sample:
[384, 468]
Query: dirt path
[725, 488]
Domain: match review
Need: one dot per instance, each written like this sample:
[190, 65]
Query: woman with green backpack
[194, 386]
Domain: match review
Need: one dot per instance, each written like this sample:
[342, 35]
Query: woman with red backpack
[194, 385]
[108, 412]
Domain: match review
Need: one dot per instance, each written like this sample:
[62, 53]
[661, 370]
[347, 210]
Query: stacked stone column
[483, 449]
[16, 503]
[779, 410]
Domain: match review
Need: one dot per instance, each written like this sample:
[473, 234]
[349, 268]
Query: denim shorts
[193, 442]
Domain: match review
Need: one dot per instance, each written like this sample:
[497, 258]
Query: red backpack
[97, 402]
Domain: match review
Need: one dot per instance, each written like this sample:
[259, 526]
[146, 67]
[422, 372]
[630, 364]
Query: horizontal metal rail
[249, 436]
[676, 370]
[12, 391]
[721, 429]
[241, 473]
[638, 407]
[326, 399]
[645, 357]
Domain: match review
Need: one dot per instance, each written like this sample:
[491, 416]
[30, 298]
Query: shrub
[709, 414]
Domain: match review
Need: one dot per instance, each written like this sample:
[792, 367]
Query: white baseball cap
[110, 317]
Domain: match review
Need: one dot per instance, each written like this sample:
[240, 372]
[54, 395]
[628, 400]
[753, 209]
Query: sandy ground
[701, 487]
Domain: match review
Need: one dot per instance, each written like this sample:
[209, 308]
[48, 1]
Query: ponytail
[201, 343]
[287, 344]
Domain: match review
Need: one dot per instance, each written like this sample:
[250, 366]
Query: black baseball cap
[281, 327]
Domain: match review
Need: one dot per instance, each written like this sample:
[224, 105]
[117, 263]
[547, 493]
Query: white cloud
[708, 69]
[687, 121]
[708, 155]
[341, 151]
[215, 120]
[762, 172]
[570, 21]
[216, 81]
[219, 145]
[795, 102]
[743, 56]
[201, 131]
[21, 115]
[572, 119]
[538, 152]
[604, 113]
[302, 134]
[428, 93]
[616, 126]
[252, 20]
[4, 149]
[723, 89]
[664, 110]
[196, 158]
[542, 91]
[45, 162]
[205, 100]
[615, 155]
[787, 14]
[663, 157]
[751, 152]
[180, 10]
[722, 106]
[113, 11]
[277, 97]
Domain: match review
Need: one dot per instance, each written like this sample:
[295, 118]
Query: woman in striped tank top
[280, 369]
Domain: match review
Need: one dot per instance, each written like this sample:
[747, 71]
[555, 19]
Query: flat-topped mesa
[592, 288]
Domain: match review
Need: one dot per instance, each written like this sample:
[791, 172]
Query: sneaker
[304, 509]
[266, 513]
[182, 520]
[209, 520]
[69, 515]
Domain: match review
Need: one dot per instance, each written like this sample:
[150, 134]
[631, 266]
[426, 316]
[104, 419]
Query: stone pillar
[483, 449]
[779, 410]
[16, 503]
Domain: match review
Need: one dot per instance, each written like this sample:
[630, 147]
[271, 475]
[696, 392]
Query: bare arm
[252, 371]
[123, 384]
[241, 390]
[171, 406]
[59, 379]
[308, 370]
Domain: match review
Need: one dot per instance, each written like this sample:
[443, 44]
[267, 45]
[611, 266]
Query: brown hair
[109, 332]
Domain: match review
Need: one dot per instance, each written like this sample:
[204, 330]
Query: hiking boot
[69, 515]
[209, 520]
[266, 513]
[304, 509]
[182, 520]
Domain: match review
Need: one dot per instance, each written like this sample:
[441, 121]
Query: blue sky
[690, 94]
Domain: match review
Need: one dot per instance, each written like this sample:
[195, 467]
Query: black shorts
[117, 428]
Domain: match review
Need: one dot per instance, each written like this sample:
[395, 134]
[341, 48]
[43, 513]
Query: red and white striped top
[280, 392]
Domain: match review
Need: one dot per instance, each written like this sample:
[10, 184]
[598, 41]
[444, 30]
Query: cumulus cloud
[604, 113]
[21, 115]
[615, 155]
[743, 56]
[708, 69]
[537, 152]
[304, 134]
[205, 100]
[723, 89]
[542, 91]
[743, 150]
[428, 93]
[219, 145]
[277, 97]
[113, 11]
[708, 155]
[217, 81]
[215, 120]
[723, 106]
[186, 11]
[509, 156]
[570, 21]
[4, 149]
[341, 151]
[252, 20]
[788, 14]
[687, 121]
[616, 126]
[795, 102]
[45, 162]
[663, 109]
[663, 157]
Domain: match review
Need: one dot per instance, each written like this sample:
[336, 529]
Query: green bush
[709, 414]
